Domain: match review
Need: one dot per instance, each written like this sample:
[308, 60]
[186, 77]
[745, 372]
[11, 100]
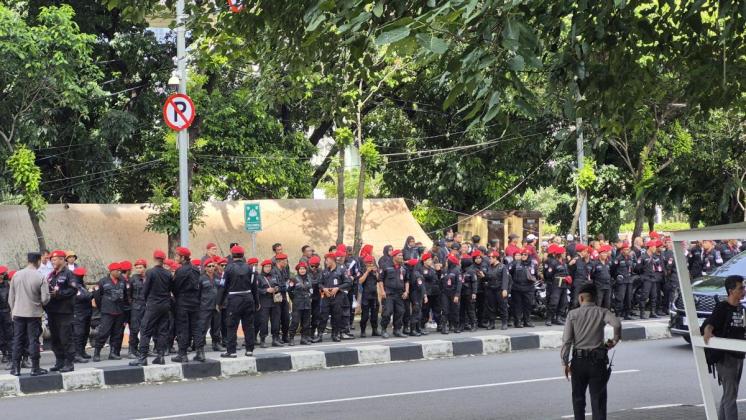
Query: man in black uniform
[62, 287]
[394, 290]
[110, 297]
[469, 284]
[601, 276]
[650, 267]
[432, 291]
[557, 278]
[584, 339]
[300, 290]
[282, 272]
[157, 294]
[314, 273]
[334, 286]
[186, 294]
[369, 297]
[450, 295]
[623, 269]
[137, 299]
[523, 273]
[496, 292]
[6, 322]
[240, 300]
[269, 293]
[416, 297]
[209, 315]
[670, 277]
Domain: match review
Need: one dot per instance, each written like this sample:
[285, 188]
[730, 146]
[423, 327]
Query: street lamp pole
[183, 135]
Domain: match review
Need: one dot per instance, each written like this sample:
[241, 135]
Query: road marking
[370, 397]
[653, 407]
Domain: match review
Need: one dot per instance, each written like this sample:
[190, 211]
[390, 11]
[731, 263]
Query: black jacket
[451, 282]
[83, 300]
[523, 274]
[66, 285]
[432, 280]
[370, 286]
[208, 298]
[187, 287]
[239, 277]
[498, 277]
[624, 268]
[4, 291]
[301, 289]
[393, 278]
[601, 274]
[157, 287]
[111, 297]
[137, 291]
[265, 281]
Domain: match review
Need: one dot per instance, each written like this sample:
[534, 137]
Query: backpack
[713, 356]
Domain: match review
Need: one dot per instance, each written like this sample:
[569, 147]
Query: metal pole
[183, 134]
[582, 194]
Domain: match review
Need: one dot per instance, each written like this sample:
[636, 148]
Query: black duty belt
[597, 353]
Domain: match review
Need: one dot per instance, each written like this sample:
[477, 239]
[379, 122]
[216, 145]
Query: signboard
[235, 5]
[178, 111]
[252, 217]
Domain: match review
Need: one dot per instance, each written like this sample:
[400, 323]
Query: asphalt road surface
[521, 385]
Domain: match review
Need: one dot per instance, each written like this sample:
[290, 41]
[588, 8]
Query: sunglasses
[223, 265]
[210, 265]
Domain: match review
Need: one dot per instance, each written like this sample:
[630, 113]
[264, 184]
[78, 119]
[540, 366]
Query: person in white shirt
[45, 266]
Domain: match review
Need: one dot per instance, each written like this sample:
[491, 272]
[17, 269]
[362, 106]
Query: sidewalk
[371, 350]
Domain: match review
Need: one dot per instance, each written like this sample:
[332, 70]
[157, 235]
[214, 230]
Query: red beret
[426, 256]
[125, 265]
[658, 243]
[197, 262]
[412, 262]
[266, 262]
[476, 253]
[332, 255]
[184, 252]
[342, 248]
[552, 249]
[366, 259]
[3, 269]
[11, 273]
[80, 271]
[495, 254]
[253, 260]
[654, 235]
[395, 252]
[169, 262]
[650, 244]
[314, 260]
[114, 266]
[281, 256]
[58, 253]
[141, 262]
[605, 248]
[159, 255]
[465, 257]
[453, 259]
[210, 245]
[367, 249]
[301, 264]
[580, 248]
[237, 250]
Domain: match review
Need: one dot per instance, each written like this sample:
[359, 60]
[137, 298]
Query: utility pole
[582, 194]
[183, 135]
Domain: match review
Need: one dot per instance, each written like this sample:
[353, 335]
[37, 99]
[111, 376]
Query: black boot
[317, 339]
[5, 358]
[216, 346]
[15, 369]
[58, 364]
[79, 358]
[276, 342]
[444, 329]
[36, 370]
[24, 363]
[83, 354]
[67, 367]
[504, 325]
[141, 360]
[291, 341]
[114, 355]
[304, 341]
[362, 331]
[375, 333]
[131, 353]
[97, 354]
[160, 359]
[180, 358]
[263, 343]
[422, 331]
[200, 356]
[398, 333]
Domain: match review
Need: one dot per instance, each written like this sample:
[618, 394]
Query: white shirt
[45, 269]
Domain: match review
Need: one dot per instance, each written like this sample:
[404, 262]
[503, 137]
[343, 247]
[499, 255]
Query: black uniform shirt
[186, 287]
[66, 286]
[157, 287]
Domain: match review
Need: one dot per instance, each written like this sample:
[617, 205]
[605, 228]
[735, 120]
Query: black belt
[596, 353]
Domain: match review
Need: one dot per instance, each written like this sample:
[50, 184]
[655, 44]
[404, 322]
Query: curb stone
[93, 378]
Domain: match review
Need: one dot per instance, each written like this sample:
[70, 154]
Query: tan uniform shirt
[29, 292]
[584, 329]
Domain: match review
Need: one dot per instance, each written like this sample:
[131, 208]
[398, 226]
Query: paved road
[521, 385]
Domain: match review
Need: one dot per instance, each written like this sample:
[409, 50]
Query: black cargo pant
[335, 307]
[557, 301]
[393, 305]
[240, 308]
[188, 329]
[623, 298]
[284, 308]
[315, 308]
[82, 330]
[269, 313]
[649, 293]
[155, 324]
[369, 312]
[138, 311]
[524, 303]
[468, 314]
[480, 307]
[6, 333]
[451, 310]
[603, 298]
[416, 301]
[209, 319]
[433, 306]
[494, 304]
[301, 318]
[589, 373]
[61, 330]
[111, 327]
[670, 291]
[26, 332]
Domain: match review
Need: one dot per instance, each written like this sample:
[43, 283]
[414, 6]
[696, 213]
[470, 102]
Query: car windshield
[736, 265]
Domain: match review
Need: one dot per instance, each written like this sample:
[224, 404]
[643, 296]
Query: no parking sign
[178, 111]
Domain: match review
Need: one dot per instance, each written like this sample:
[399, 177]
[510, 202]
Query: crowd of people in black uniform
[456, 285]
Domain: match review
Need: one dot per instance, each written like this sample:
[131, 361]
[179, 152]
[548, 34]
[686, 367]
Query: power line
[100, 172]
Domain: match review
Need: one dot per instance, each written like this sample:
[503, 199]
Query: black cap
[589, 288]
[33, 257]
[512, 236]
[455, 246]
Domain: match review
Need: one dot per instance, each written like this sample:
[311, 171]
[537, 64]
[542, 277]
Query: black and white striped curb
[299, 360]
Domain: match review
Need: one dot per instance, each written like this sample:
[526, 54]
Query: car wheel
[688, 339]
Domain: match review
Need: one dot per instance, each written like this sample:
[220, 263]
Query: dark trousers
[209, 320]
[557, 301]
[393, 305]
[670, 291]
[729, 371]
[587, 373]
[240, 308]
[111, 327]
[451, 310]
[480, 307]
[26, 332]
[468, 314]
[155, 324]
[350, 313]
[188, 329]
[494, 304]
[432, 307]
[603, 298]
[81, 331]
[649, 292]
[369, 312]
[6, 332]
[315, 308]
[415, 301]
[335, 307]
[224, 324]
[284, 308]
[61, 329]
[135, 325]
[623, 298]
[301, 318]
[407, 315]
[524, 302]
[269, 313]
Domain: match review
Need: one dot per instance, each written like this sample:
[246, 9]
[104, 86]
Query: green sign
[252, 216]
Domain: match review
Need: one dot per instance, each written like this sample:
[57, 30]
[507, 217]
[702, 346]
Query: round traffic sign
[178, 111]
[235, 5]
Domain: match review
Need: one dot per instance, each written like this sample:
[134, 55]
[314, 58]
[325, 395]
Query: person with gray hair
[29, 293]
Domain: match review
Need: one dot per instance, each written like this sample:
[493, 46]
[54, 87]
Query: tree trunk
[37, 229]
[639, 215]
[173, 242]
[576, 214]
[358, 242]
[341, 197]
